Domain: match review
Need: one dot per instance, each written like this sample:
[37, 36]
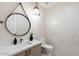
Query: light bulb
[36, 11]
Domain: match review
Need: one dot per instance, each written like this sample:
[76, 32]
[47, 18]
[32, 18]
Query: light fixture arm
[36, 4]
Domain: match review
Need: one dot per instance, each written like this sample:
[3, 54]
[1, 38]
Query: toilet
[47, 48]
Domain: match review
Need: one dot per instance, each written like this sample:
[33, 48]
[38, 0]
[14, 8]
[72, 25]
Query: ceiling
[47, 5]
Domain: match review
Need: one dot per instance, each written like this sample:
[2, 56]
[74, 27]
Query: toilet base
[47, 49]
[44, 54]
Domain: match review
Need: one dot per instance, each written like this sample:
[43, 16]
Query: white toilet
[48, 48]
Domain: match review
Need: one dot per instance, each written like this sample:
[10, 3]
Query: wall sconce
[36, 9]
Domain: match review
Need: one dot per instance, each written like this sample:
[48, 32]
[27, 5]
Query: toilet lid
[47, 46]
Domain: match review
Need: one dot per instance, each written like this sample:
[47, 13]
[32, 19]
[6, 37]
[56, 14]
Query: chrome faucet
[21, 40]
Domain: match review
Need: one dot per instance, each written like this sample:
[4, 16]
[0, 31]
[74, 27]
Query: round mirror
[17, 24]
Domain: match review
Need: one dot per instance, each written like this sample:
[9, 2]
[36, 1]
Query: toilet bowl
[48, 48]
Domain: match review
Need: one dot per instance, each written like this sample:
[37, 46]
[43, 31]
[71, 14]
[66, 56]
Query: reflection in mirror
[17, 24]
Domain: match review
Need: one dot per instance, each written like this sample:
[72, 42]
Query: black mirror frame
[22, 15]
